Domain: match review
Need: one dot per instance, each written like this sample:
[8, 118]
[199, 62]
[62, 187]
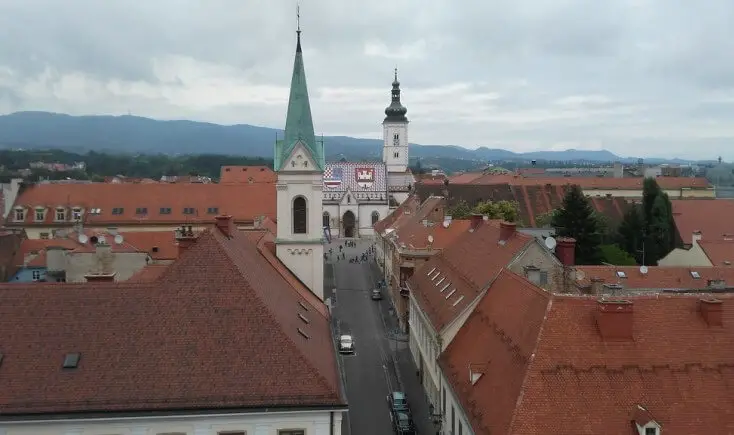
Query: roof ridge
[221, 240]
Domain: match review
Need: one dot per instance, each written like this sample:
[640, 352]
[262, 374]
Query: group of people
[340, 253]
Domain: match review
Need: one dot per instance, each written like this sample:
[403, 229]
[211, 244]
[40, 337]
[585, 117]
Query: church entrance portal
[348, 222]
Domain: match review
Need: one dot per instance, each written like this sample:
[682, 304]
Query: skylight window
[303, 305]
[621, 274]
[1, 358]
[456, 302]
[303, 333]
[436, 275]
[302, 317]
[431, 271]
[695, 274]
[445, 286]
[451, 293]
[440, 281]
[71, 360]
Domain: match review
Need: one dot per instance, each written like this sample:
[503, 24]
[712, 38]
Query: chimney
[614, 319]
[566, 250]
[507, 229]
[476, 220]
[185, 238]
[100, 277]
[711, 311]
[597, 284]
[224, 224]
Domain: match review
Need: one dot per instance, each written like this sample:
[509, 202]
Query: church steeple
[396, 111]
[299, 124]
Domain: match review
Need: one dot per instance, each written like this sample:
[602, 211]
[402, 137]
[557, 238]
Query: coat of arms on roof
[365, 177]
[333, 177]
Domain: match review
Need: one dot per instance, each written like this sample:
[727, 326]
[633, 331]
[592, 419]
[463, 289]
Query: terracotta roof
[710, 216]
[447, 283]
[657, 277]
[247, 175]
[407, 207]
[719, 252]
[428, 220]
[605, 183]
[151, 272]
[544, 362]
[160, 245]
[245, 343]
[32, 252]
[161, 203]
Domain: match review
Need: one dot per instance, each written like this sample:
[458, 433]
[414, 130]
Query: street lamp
[436, 418]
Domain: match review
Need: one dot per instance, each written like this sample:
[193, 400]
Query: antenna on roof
[119, 239]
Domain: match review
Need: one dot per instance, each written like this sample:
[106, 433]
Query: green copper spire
[298, 123]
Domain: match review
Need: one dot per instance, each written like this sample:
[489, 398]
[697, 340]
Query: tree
[544, 220]
[617, 256]
[576, 218]
[505, 210]
[459, 211]
[630, 233]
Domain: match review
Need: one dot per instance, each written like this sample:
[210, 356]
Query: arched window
[375, 217]
[327, 219]
[299, 215]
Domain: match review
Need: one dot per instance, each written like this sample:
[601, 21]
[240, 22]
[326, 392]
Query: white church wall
[365, 217]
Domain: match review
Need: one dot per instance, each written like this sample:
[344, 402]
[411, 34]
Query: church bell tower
[395, 132]
[299, 163]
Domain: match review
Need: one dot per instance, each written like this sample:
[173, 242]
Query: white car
[346, 344]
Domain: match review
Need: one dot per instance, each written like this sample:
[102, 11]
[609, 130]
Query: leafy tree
[505, 210]
[617, 256]
[576, 218]
[544, 220]
[631, 233]
[460, 210]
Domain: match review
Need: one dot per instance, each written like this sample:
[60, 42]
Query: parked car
[398, 402]
[376, 294]
[402, 423]
[346, 344]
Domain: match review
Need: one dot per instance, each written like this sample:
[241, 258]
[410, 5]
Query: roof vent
[302, 317]
[711, 311]
[303, 333]
[303, 305]
[71, 360]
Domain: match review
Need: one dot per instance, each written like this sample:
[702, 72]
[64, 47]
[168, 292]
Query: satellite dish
[119, 239]
[580, 275]
[446, 224]
[83, 238]
[430, 238]
[643, 269]
[550, 243]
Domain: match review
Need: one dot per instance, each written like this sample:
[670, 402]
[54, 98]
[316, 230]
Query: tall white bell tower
[395, 133]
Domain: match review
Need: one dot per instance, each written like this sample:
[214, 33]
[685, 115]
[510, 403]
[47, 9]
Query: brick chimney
[711, 311]
[185, 238]
[475, 220]
[507, 229]
[566, 250]
[100, 277]
[615, 320]
[224, 224]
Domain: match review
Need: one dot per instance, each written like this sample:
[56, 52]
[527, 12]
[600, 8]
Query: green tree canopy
[576, 218]
[505, 210]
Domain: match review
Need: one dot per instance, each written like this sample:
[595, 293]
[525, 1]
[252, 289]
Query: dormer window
[40, 214]
[60, 214]
[76, 214]
[189, 210]
[651, 431]
[19, 215]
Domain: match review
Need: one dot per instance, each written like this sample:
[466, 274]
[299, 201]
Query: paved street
[371, 373]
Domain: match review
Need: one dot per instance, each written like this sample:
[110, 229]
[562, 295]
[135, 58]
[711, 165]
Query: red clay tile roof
[547, 369]
[447, 283]
[160, 245]
[719, 252]
[710, 216]
[409, 206]
[245, 202]
[657, 277]
[221, 328]
[247, 174]
[412, 230]
[31, 249]
[151, 272]
[605, 183]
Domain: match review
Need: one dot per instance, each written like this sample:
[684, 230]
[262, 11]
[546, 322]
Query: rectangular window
[453, 418]
[118, 210]
[189, 210]
[40, 214]
[76, 214]
[20, 215]
[60, 214]
[443, 400]
[36, 274]
[461, 429]
[165, 210]
[292, 432]
[231, 432]
[212, 210]
[543, 277]
[44, 236]
[141, 210]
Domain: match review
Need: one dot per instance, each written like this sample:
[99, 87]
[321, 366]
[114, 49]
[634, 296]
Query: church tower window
[299, 215]
[326, 219]
[396, 139]
[375, 217]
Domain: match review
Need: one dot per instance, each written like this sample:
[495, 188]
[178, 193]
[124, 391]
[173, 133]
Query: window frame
[57, 213]
[299, 223]
[42, 214]
[19, 215]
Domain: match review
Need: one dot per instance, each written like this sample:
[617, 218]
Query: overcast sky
[637, 77]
